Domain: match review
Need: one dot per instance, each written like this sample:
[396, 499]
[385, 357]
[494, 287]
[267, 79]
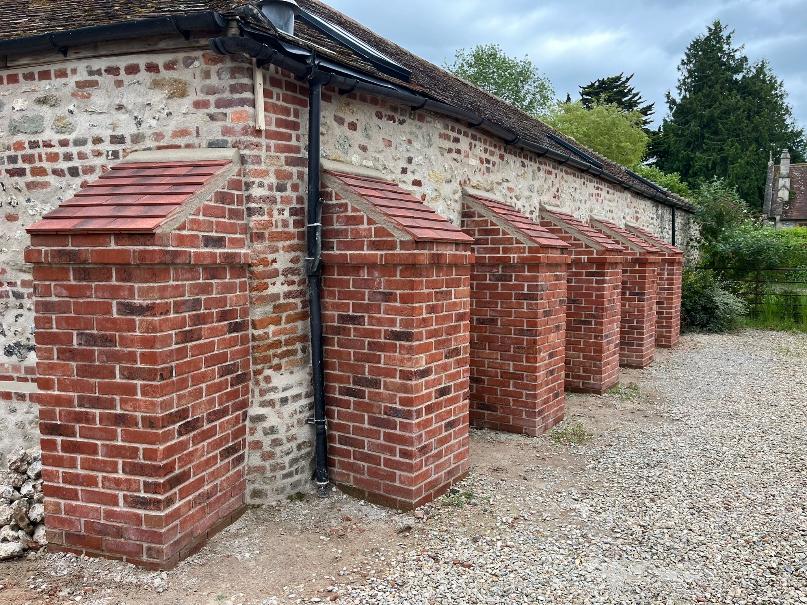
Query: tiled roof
[31, 18]
[654, 239]
[401, 208]
[624, 236]
[23, 18]
[132, 197]
[795, 208]
[603, 241]
[537, 234]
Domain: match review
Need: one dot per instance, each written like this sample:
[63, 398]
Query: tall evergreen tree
[617, 90]
[728, 118]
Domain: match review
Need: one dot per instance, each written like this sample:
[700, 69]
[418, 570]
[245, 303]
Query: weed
[572, 433]
[457, 498]
[296, 497]
[628, 392]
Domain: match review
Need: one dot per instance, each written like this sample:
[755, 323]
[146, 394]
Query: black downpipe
[673, 225]
[314, 272]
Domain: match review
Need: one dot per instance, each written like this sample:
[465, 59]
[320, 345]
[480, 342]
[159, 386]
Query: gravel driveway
[691, 489]
[705, 501]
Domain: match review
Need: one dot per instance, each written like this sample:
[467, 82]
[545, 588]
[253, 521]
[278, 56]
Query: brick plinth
[396, 333]
[637, 342]
[518, 319]
[594, 292]
[668, 295]
[143, 367]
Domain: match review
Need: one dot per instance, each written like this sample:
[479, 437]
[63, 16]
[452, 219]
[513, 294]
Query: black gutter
[314, 273]
[207, 21]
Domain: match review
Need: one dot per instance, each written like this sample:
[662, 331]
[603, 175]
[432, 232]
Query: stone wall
[63, 120]
[435, 157]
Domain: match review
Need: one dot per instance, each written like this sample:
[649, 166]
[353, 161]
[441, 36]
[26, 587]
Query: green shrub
[708, 307]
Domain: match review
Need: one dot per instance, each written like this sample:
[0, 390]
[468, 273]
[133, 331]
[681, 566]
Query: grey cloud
[574, 43]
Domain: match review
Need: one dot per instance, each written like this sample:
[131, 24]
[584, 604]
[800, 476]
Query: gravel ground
[691, 489]
[707, 504]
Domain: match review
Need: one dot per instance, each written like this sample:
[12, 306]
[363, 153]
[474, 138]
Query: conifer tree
[617, 90]
[728, 118]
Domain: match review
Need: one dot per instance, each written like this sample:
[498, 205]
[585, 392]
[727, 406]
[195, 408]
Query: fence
[775, 297]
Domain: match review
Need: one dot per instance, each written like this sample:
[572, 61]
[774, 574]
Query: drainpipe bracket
[317, 422]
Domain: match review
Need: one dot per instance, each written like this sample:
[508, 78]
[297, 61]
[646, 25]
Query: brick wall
[143, 372]
[518, 321]
[65, 122]
[436, 156]
[396, 322]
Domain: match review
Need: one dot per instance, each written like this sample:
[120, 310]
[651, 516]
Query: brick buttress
[396, 307]
[594, 293]
[142, 335]
[518, 318]
[637, 341]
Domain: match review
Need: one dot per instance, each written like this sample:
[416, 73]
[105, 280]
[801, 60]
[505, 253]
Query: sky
[574, 42]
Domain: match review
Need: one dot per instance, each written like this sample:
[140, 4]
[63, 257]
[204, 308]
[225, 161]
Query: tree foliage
[517, 81]
[753, 247]
[728, 117]
[671, 181]
[606, 129]
[617, 90]
[720, 210]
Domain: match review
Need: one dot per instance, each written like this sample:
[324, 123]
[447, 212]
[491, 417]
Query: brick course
[518, 321]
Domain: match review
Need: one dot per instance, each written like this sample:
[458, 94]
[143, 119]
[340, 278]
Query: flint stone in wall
[19, 510]
[37, 513]
[27, 489]
[10, 550]
[174, 88]
[6, 514]
[18, 463]
[49, 100]
[40, 537]
[34, 469]
[9, 534]
[28, 124]
[63, 125]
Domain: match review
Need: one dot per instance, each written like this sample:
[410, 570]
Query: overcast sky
[574, 42]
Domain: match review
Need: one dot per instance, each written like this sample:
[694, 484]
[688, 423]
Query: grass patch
[628, 392]
[296, 497]
[782, 311]
[457, 498]
[572, 433]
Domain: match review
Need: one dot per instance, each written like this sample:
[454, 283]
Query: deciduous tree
[517, 81]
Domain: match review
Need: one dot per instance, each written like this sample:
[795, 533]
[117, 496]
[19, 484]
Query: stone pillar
[518, 319]
[396, 305]
[142, 333]
[594, 290]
